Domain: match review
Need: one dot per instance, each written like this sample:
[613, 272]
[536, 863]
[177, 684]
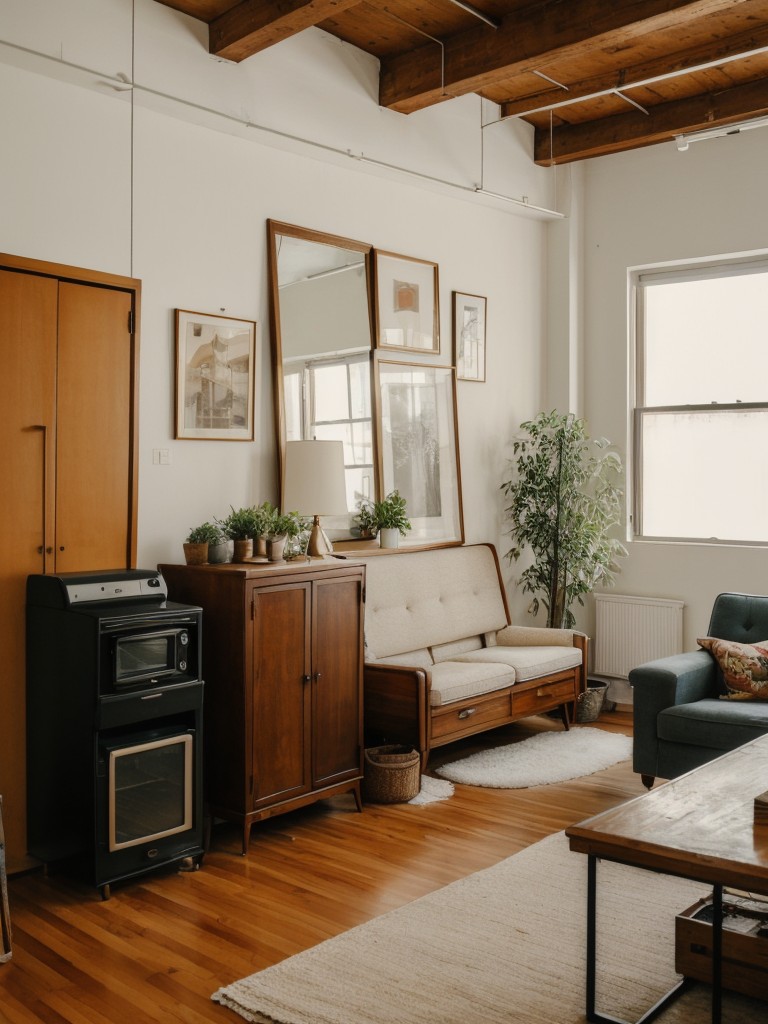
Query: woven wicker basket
[392, 774]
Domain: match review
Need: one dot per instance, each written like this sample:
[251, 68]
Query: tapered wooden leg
[563, 709]
[246, 836]
[647, 780]
[357, 796]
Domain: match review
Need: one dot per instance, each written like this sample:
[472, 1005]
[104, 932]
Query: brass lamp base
[319, 546]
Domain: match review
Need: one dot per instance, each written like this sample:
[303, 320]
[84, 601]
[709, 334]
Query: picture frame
[419, 448]
[469, 324]
[215, 377]
[407, 315]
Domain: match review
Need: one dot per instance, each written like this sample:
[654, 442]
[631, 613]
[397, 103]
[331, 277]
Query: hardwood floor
[158, 949]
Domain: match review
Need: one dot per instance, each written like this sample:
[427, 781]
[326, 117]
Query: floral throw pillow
[744, 667]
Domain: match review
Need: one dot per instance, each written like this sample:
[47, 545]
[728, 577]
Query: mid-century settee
[443, 661]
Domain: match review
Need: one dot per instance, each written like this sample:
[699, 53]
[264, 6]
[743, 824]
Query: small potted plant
[196, 544]
[391, 519]
[241, 525]
[281, 527]
[221, 549]
[365, 520]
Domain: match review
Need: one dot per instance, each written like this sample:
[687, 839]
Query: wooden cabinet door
[281, 707]
[336, 685]
[95, 429]
[27, 448]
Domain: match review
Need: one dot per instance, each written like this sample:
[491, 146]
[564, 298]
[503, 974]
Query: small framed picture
[469, 336]
[215, 371]
[407, 313]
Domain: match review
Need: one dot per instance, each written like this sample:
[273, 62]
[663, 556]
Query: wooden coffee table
[699, 826]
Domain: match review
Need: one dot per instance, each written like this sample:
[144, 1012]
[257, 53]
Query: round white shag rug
[541, 760]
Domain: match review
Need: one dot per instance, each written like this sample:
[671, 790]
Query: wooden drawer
[542, 697]
[745, 953]
[450, 721]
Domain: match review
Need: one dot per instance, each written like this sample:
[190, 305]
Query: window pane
[330, 392]
[704, 475]
[292, 391]
[706, 340]
[360, 386]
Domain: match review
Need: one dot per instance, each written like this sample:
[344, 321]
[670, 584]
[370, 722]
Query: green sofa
[680, 720]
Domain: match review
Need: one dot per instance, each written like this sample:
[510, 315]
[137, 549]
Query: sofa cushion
[710, 723]
[744, 666]
[419, 599]
[447, 652]
[534, 636]
[452, 681]
[528, 662]
[408, 659]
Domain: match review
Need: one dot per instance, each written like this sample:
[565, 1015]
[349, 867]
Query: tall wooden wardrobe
[68, 447]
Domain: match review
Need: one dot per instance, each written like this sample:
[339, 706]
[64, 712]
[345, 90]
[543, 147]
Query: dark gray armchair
[679, 720]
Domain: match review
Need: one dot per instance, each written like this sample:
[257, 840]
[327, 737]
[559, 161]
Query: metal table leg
[592, 1012]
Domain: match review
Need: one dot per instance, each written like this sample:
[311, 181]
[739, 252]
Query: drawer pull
[467, 713]
[543, 692]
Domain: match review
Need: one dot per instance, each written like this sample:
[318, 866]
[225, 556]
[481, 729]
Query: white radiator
[632, 630]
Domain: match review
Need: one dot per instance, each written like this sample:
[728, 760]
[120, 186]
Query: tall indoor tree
[564, 501]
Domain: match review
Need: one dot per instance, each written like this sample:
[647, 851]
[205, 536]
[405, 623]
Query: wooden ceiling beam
[527, 40]
[670, 65]
[254, 25]
[634, 129]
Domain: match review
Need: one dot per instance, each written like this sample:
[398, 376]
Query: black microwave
[153, 655]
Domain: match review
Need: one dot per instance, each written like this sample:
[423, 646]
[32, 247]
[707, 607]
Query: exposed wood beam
[527, 40]
[665, 121]
[256, 24]
[668, 66]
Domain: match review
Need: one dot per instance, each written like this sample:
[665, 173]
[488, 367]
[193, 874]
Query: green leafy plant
[391, 513]
[244, 523]
[564, 502]
[365, 519]
[286, 524]
[207, 533]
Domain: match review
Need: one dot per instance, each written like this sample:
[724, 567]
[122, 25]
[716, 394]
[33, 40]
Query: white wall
[650, 206]
[174, 188]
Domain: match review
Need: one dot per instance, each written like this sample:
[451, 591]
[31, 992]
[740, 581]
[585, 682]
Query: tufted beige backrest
[417, 599]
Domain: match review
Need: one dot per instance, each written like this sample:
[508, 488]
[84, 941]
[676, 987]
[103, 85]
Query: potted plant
[221, 549]
[365, 519]
[391, 517]
[282, 526]
[240, 526]
[564, 503]
[196, 544]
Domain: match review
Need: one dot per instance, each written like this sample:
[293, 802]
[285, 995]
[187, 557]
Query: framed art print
[407, 314]
[469, 336]
[215, 371]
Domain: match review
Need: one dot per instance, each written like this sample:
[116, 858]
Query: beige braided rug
[503, 945]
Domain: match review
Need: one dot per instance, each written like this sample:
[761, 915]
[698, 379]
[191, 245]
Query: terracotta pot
[243, 550]
[196, 554]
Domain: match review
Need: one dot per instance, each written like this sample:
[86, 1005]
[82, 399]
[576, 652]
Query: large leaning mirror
[398, 426]
[322, 344]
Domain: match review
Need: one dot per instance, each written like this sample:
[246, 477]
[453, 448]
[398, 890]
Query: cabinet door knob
[48, 550]
[307, 679]
[61, 548]
[317, 676]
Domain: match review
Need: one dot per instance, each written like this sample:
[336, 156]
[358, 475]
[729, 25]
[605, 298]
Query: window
[701, 407]
[330, 400]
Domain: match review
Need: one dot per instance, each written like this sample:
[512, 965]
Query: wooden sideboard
[283, 669]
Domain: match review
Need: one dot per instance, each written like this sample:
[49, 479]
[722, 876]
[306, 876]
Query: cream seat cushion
[452, 681]
[527, 662]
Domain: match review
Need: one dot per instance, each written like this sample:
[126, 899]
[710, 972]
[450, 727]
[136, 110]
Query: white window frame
[640, 279]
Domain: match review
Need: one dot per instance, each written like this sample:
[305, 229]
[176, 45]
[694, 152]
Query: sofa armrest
[396, 705]
[534, 636]
[679, 679]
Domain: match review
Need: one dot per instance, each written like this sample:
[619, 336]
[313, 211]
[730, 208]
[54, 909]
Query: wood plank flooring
[158, 949]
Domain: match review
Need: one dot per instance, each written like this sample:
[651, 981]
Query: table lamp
[314, 483]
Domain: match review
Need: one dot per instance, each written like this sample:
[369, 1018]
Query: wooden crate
[745, 953]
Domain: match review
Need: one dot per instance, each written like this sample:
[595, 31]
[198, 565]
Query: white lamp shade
[314, 481]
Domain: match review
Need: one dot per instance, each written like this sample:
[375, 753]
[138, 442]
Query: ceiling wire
[407, 24]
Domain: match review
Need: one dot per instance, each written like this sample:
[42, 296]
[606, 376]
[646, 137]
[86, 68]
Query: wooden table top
[700, 825]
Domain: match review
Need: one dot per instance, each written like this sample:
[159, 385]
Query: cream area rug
[504, 946]
[540, 760]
